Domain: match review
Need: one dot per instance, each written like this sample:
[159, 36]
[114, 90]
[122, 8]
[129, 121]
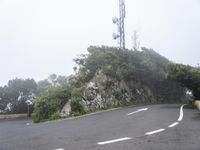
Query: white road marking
[114, 141]
[181, 113]
[153, 132]
[139, 110]
[60, 149]
[27, 124]
[173, 125]
[170, 126]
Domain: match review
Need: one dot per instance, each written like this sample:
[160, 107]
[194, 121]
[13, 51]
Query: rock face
[66, 110]
[104, 92]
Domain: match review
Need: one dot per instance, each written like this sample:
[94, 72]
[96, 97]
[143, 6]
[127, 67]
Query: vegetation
[187, 76]
[145, 67]
[105, 77]
[49, 104]
[18, 93]
[13, 97]
[77, 108]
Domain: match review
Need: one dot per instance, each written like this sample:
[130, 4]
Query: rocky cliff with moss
[109, 77]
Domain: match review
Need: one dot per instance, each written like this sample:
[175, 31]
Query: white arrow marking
[114, 141]
[139, 110]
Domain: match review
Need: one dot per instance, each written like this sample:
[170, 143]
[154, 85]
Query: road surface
[152, 127]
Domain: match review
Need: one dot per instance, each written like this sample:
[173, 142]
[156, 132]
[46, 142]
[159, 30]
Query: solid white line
[114, 141]
[153, 132]
[173, 125]
[139, 110]
[132, 113]
[181, 113]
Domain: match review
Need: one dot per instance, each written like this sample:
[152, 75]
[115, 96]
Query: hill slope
[110, 77]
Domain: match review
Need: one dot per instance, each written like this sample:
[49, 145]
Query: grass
[12, 116]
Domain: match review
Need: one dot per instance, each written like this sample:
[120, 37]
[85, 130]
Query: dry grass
[12, 116]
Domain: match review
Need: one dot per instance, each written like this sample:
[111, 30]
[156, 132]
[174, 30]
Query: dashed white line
[27, 124]
[139, 110]
[181, 113]
[60, 149]
[148, 133]
[114, 141]
[173, 125]
[154, 132]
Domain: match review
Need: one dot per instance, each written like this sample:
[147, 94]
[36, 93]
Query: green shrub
[40, 109]
[35, 117]
[55, 116]
[76, 107]
[48, 104]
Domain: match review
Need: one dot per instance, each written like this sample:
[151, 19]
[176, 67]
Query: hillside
[110, 77]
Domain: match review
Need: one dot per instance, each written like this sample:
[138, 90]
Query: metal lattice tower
[120, 24]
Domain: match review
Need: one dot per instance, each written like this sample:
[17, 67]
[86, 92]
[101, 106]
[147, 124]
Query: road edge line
[181, 113]
[173, 124]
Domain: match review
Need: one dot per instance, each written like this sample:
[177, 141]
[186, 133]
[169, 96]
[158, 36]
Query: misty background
[41, 37]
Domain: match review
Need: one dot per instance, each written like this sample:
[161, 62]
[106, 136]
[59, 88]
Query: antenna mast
[120, 24]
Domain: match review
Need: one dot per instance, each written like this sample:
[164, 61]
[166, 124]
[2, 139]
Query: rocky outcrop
[104, 92]
[197, 104]
[66, 110]
[109, 77]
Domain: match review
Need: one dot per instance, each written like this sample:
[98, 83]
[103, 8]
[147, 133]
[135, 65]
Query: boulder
[197, 104]
[66, 110]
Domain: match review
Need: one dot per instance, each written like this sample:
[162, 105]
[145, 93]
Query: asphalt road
[152, 127]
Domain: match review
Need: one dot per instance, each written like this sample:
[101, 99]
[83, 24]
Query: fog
[41, 37]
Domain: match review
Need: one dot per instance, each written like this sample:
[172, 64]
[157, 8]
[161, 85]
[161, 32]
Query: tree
[43, 85]
[16, 93]
[187, 76]
[3, 100]
[52, 79]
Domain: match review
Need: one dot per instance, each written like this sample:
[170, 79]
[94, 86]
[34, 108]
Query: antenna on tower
[135, 38]
[120, 24]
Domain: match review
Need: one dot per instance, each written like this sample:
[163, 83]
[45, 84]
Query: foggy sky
[41, 37]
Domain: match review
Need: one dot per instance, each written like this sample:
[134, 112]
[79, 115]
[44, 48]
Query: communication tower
[120, 24]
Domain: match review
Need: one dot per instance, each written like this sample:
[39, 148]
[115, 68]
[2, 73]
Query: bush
[48, 104]
[36, 118]
[76, 107]
[55, 116]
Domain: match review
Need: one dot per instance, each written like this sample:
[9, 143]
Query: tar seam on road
[114, 141]
[139, 110]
